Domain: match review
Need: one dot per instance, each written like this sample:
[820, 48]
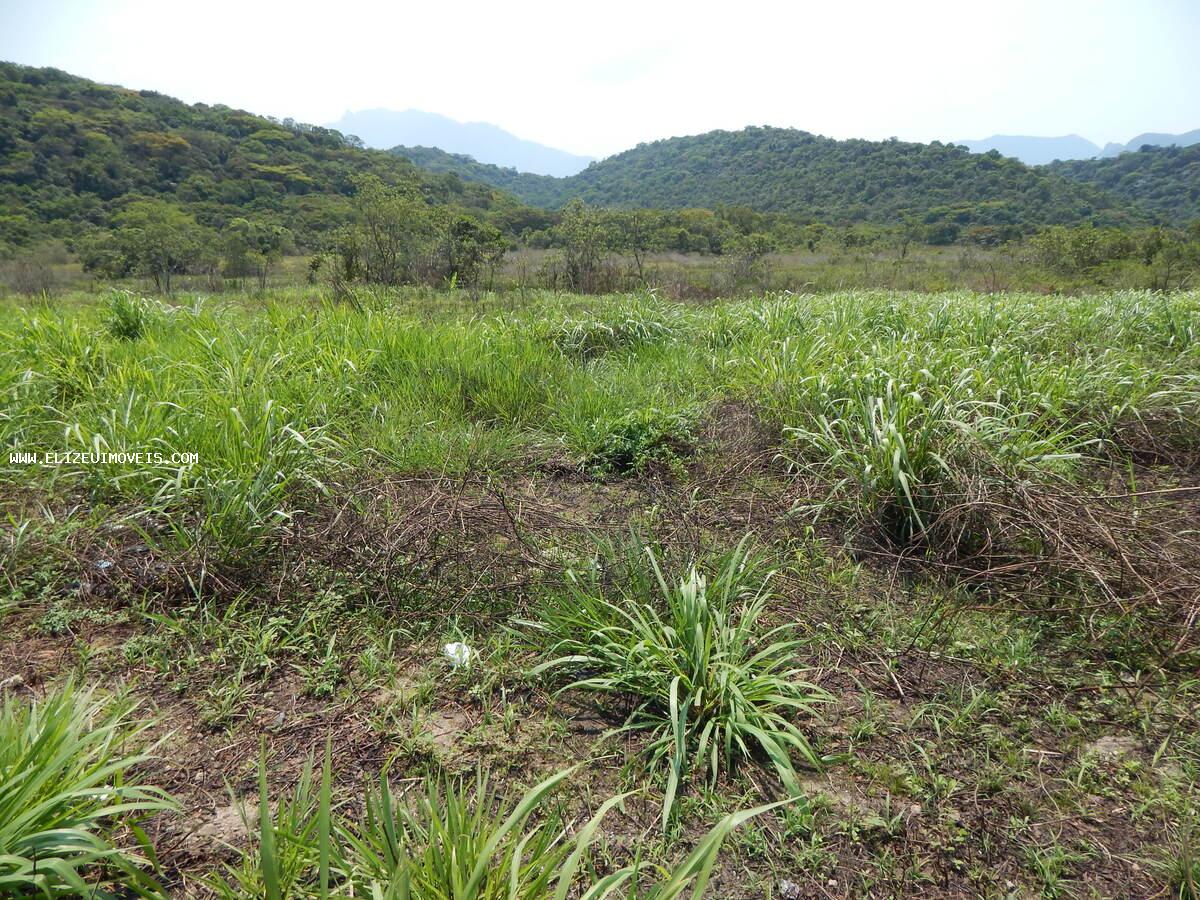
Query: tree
[585, 240]
[469, 249]
[639, 232]
[251, 248]
[396, 230]
[152, 238]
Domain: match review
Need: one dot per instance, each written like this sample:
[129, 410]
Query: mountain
[814, 178]
[1163, 181]
[385, 128]
[1035, 150]
[1153, 139]
[74, 154]
[1038, 151]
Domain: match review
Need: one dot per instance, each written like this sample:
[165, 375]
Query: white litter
[458, 653]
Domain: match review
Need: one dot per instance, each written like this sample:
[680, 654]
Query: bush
[32, 273]
[711, 684]
[632, 441]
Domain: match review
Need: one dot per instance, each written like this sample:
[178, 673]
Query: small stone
[1112, 746]
[788, 890]
[12, 682]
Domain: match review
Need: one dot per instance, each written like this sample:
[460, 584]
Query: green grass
[457, 838]
[895, 397]
[923, 421]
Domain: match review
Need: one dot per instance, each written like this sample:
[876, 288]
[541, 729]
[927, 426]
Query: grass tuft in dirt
[711, 684]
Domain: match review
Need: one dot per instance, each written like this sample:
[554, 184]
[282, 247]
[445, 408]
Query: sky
[599, 77]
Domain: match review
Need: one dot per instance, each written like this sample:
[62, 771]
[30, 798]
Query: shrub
[66, 789]
[632, 441]
[711, 685]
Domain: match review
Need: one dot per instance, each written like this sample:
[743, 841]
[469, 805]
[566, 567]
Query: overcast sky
[599, 77]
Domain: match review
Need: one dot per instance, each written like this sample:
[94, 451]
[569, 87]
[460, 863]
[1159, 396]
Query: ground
[1015, 716]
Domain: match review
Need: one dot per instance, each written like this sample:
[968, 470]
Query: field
[917, 573]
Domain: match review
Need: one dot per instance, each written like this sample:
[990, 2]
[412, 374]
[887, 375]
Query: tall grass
[70, 799]
[892, 396]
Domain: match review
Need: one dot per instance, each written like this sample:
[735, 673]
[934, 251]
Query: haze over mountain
[387, 128]
[1041, 150]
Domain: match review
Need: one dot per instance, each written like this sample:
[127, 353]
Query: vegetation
[69, 799]
[712, 687]
[1163, 181]
[974, 516]
[82, 158]
[131, 185]
[814, 179]
[314, 450]
[457, 840]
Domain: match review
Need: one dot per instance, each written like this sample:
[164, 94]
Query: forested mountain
[386, 128]
[815, 178]
[1164, 181]
[74, 154]
[539, 190]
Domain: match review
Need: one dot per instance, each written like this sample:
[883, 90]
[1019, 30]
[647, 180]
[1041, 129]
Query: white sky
[599, 77]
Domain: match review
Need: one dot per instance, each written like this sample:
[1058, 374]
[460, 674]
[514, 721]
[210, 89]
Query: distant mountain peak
[1035, 150]
[1041, 150]
[487, 143]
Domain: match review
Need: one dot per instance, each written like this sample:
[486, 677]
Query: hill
[1163, 181]
[74, 153]
[814, 178]
[386, 128]
[539, 190]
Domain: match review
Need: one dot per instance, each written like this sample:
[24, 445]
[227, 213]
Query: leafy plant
[68, 806]
[711, 684]
[459, 840]
[629, 442]
[1180, 864]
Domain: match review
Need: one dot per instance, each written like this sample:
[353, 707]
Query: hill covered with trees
[1163, 181]
[76, 155]
[814, 178]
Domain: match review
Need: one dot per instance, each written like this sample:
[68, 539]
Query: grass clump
[634, 322]
[128, 317]
[66, 790]
[712, 685]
